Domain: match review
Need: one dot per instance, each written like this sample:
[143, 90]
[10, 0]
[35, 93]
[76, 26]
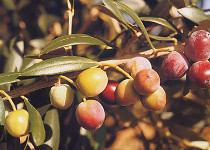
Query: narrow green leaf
[196, 15]
[51, 121]
[59, 65]
[37, 126]
[177, 3]
[9, 77]
[113, 8]
[73, 39]
[2, 112]
[138, 21]
[160, 38]
[107, 11]
[42, 110]
[160, 21]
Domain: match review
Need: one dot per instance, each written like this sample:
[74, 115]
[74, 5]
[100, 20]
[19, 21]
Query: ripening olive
[61, 96]
[197, 46]
[17, 123]
[146, 81]
[199, 74]
[136, 64]
[155, 101]
[125, 93]
[90, 114]
[175, 65]
[107, 95]
[92, 82]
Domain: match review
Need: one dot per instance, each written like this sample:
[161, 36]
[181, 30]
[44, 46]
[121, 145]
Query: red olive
[107, 94]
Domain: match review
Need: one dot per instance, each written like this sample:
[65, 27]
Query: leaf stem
[119, 69]
[9, 99]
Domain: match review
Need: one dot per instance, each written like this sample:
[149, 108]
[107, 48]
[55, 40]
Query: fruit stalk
[119, 69]
[67, 79]
[9, 99]
[72, 82]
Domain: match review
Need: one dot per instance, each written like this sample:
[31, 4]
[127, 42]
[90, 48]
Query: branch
[50, 81]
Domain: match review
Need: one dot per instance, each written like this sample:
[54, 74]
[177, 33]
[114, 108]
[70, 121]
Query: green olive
[61, 96]
[17, 123]
[92, 82]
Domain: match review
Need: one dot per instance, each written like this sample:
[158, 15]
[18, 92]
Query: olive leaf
[113, 8]
[51, 121]
[196, 15]
[9, 77]
[160, 38]
[37, 126]
[59, 65]
[107, 11]
[160, 21]
[138, 21]
[73, 39]
[42, 110]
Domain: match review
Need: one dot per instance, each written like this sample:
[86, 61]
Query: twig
[43, 83]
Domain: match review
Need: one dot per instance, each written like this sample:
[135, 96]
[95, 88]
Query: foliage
[38, 46]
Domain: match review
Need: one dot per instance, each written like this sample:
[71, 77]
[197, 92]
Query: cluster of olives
[90, 114]
[196, 52]
[94, 82]
[145, 87]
